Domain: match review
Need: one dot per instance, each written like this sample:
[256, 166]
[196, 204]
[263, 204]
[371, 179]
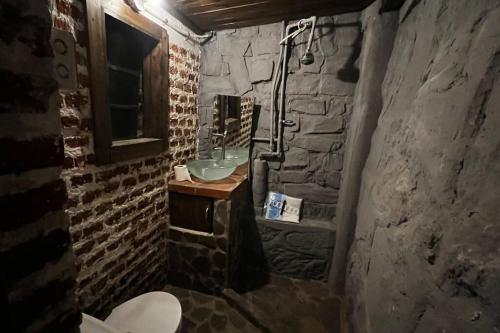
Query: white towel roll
[182, 173]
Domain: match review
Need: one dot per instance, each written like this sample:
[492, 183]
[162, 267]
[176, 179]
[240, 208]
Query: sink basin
[212, 169]
[237, 154]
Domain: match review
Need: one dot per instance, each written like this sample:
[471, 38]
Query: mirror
[232, 115]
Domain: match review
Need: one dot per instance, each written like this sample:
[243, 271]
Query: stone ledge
[304, 224]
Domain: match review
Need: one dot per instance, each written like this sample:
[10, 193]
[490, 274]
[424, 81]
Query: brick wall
[37, 272]
[119, 213]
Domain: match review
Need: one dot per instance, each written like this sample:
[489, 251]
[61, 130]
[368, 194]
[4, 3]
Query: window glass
[126, 49]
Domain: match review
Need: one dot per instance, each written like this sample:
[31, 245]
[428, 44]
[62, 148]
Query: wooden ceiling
[205, 15]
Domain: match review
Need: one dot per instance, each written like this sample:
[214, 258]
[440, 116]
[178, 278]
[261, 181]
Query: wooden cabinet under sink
[191, 212]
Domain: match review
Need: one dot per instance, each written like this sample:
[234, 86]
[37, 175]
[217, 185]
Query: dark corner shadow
[349, 72]
[253, 270]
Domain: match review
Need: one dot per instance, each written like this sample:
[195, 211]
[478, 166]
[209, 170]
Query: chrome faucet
[218, 135]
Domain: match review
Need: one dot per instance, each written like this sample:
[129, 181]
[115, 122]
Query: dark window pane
[127, 48]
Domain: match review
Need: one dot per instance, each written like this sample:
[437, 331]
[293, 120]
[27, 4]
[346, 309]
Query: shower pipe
[147, 10]
[301, 25]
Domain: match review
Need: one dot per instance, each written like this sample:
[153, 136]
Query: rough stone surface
[208, 262]
[303, 84]
[318, 99]
[296, 251]
[312, 193]
[316, 143]
[379, 31]
[320, 125]
[332, 85]
[309, 106]
[207, 313]
[425, 252]
[260, 69]
[320, 116]
[38, 266]
[282, 304]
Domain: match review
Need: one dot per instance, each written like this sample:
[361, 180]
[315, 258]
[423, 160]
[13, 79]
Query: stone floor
[279, 305]
[202, 313]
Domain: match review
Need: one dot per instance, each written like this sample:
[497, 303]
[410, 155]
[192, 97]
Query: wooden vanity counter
[221, 189]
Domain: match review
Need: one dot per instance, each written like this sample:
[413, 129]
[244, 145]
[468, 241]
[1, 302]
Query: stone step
[301, 250]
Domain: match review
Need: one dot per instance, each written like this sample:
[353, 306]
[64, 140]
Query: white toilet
[154, 312]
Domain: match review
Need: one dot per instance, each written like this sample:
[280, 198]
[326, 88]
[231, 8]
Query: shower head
[307, 58]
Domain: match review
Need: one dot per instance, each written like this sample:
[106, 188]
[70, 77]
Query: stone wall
[207, 261]
[37, 264]
[379, 31]
[319, 100]
[426, 247]
[119, 212]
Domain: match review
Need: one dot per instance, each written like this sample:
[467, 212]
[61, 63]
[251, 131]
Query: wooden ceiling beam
[205, 15]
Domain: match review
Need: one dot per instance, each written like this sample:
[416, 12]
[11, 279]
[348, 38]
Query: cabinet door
[191, 212]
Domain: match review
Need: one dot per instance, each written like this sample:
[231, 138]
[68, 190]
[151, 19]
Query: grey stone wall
[379, 31]
[319, 100]
[425, 257]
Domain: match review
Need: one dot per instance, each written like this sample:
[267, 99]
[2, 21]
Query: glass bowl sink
[211, 169]
[237, 154]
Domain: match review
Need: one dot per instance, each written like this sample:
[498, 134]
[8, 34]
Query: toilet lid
[154, 312]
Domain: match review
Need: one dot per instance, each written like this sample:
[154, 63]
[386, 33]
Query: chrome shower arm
[311, 35]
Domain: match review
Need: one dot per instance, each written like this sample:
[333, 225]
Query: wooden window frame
[156, 85]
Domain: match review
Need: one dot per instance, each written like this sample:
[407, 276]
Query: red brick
[75, 100]
[155, 173]
[128, 182]
[84, 248]
[79, 180]
[143, 203]
[120, 200]
[76, 141]
[136, 166]
[83, 80]
[63, 7]
[79, 217]
[108, 174]
[61, 24]
[91, 196]
[113, 219]
[94, 258]
[143, 177]
[72, 202]
[70, 121]
[111, 187]
[103, 208]
[90, 230]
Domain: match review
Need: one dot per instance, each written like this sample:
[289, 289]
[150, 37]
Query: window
[129, 82]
